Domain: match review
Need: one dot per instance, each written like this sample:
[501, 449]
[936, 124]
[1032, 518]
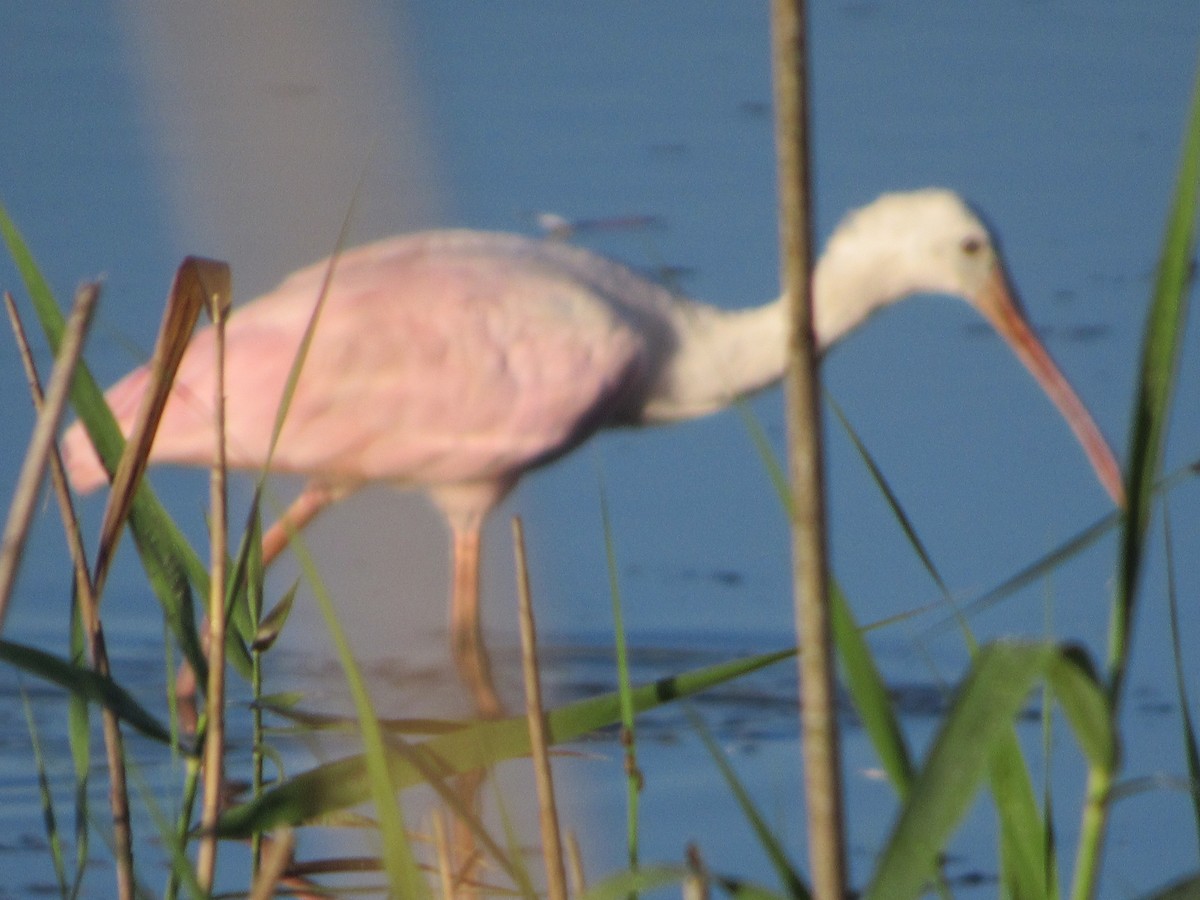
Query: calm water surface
[137, 133]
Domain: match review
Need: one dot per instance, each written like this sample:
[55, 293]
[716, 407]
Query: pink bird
[456, 361]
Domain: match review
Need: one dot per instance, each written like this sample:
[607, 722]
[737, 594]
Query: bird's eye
[971, 245]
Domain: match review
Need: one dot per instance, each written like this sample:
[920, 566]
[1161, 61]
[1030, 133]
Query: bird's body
[456, 361]
[448, 359]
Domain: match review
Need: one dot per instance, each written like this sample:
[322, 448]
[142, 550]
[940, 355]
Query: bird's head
[930, 241]
[916, 242]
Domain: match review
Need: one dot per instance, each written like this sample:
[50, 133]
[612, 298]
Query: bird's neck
[860, 274]
[719, 356]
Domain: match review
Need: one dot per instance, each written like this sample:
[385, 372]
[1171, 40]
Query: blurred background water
[135, 133]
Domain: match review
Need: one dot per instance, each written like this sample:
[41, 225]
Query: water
[140, 133]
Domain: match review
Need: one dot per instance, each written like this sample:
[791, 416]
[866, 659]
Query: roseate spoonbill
[458, 360]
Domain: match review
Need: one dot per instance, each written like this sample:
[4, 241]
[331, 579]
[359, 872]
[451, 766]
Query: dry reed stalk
[89, 609]
[58, 477]
[575, 864]
[818, 707]
[441, 844]
[556, 879]
[277, 856]
[194, 279]
[41, 442]
[214, 739]
[695, 883]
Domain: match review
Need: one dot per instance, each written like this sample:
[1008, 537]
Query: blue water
[135, 134]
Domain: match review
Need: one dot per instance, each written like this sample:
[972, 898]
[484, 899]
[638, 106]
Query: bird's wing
[473, 367]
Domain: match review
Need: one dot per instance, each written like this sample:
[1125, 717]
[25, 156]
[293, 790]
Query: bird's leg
[315, 497]
[475, 672]
[466, 507]
[466, 858]
[466, 632]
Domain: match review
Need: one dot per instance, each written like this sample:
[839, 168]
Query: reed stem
[214, 743]
[552, 851]
[818, 707]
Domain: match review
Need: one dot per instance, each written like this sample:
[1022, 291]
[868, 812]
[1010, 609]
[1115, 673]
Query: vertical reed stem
[254, 593]
[29, 480]
[552, 852]
[214, 743]
[818, 716]
[89, 608]
[575, 864]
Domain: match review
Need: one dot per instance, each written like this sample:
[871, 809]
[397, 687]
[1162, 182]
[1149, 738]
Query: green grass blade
[744, 890]
[784, 870]
[1083, 700]
[649, 878]
[1022, 829]
[250, 560]
[1187, 888]
[79, 737]
[653, 878]
[1073, 546]
[778, 477]
[624, 691]
[1049, 836]
[177, 839]
[1023, 843]
[83, 682]
[53, 838]
[239, 603]
[1028, 849]
[434, 772]
[271, 625]
[1191, 750]
[169, 560]
[869, 693]
[1028, 861]
[285, 706]
[340, 784]
[514, 859]
[979, 722]
[991, 695]
[1159, 362]
[906, 525]
[863, 680]
[174, 846]
[1039, 568]
[403, 874]
[1147, 436]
